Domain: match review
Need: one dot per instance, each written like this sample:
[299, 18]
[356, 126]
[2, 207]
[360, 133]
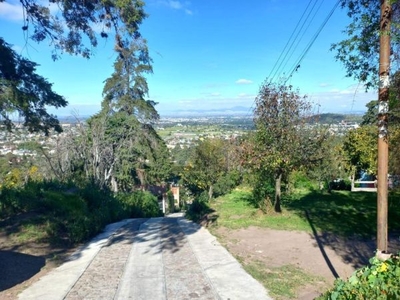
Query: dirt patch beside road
[326, 256]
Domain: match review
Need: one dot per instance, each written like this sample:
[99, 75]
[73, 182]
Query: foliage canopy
[282, 141]
[74, 26]
[24, 92]
[359, 51]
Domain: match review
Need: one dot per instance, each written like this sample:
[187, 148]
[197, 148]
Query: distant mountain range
[333, 118]
[241, 110]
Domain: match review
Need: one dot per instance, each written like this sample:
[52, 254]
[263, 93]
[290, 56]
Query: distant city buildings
[176, 132]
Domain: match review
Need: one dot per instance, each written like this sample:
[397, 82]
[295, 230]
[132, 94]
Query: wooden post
[383, 149]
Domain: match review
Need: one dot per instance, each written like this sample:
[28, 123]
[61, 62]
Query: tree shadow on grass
[346, 222]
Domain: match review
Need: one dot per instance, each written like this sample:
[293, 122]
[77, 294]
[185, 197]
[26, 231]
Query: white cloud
[175, 4]
[178, 5]
[11, 11]
[244, 81]
[324, 84]
[244, 95]
[211, 94]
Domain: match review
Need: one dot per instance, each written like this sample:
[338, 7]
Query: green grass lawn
[236, 211]
[342, 212]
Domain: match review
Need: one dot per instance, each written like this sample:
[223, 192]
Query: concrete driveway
[159, 258]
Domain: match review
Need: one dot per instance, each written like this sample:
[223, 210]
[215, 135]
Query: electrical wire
[293, 37]
[296, 65]
[290, 38]
[301, 38]
[284, 59]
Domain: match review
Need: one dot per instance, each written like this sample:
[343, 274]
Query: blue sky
[208, 55]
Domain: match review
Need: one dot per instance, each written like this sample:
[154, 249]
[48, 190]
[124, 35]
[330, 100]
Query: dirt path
[325, 256]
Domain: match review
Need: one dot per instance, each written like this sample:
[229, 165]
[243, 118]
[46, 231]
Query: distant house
[160, 191]
[175, 192]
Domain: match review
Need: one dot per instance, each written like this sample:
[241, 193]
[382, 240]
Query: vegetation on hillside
[66, 213]
[96, 175]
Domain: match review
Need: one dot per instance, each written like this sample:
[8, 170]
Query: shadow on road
[17, 267]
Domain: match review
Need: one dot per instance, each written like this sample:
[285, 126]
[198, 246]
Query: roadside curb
[68, 273]
[226, 275]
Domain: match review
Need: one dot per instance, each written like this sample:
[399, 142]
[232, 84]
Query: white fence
[365, 186]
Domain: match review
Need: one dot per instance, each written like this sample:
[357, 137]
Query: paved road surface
[160, 258]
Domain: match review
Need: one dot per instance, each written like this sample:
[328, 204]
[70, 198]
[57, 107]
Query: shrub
[340, 185]
[379, 280]
[227, 183]
[171, 202]
[9, 202]
[139, 204]
[199, 208]
[75, 213]
[263, 191]
[102, 201]
[300, 180]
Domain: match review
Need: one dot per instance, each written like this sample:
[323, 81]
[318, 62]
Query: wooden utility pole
[383, 149]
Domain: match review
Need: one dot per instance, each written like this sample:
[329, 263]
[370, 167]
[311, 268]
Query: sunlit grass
[33, 231]
[235, 211]
[282, 282]
[342, 212]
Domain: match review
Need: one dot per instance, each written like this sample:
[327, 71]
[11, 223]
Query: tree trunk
[210, 192]
[114, 185]
[278, 181]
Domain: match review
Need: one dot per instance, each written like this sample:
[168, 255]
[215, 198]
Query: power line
[291, 40]
[296, 65]
[304, 32]
[293, 37]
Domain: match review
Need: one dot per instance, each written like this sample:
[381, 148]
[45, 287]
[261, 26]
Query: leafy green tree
[209, 164]
[371, 115]
[137, 148]
[283, 141]
[70, 26]
[370, 118]
[333, 163]
[360, 149]
[126, 89]
[359, 51]
[394, 151]
[25, 93]
[120, 147]
[181, 155]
